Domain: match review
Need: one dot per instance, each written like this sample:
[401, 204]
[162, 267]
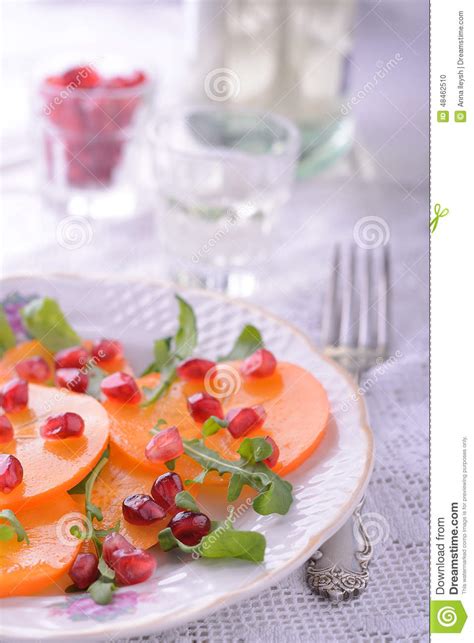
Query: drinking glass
[92, 135]
[288, 56]
[223, 177]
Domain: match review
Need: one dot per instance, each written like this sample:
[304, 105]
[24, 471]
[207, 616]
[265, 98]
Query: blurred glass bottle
[286, 56]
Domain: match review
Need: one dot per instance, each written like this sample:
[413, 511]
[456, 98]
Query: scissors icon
[438, 215]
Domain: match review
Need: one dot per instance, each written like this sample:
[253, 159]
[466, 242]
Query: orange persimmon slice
[25, 350]
[118, 479]
[121, 477]
[34, 348]
[51, 466]
[297, 414]
[28, 568]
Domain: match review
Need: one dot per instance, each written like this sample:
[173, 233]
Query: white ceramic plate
[326, 488]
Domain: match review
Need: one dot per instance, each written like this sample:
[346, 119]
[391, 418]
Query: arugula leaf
[102, 590]
[167, 379]
[92, 510]
[275, 494]
[249, 340]
[45, 321]
[231, 543]
[169, 351]
[96, 375]
[105, 570]
[184, 500]
[162, 354]
[236, 484]
[212, 425]
[223, 542]
[102, 533]
[255, 449]
[166, 540]
[81, 486]
[276, 499]
[77, 532]
[7, 336]
[211, 460]
[186, 336]
[6, 533]
[14, 527]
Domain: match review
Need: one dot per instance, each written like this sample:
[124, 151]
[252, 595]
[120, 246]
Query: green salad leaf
[162, 355]
[14, 527]
[168, 377]
[274, 493]
[171, 464]
[102, 589]
[7, 336]
[81, 486]
[186, 336]
[212, 425]
[249, 340]
[222, 542]
[184, 500]
[255, 449]
[95, 375]
[169, 351]
[45, 321]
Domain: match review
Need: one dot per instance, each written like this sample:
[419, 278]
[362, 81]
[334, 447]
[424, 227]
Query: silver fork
[355, 334]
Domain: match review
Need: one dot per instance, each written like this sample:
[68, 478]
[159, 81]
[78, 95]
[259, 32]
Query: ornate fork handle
[336, 581]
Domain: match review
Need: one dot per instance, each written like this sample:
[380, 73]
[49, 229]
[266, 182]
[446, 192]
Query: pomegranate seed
[189, 527]
[112, 543]
[132, 567]
[194, 369]
[121, 387]
[35, 369]
[164, 491]
[136, 78]
[262, 363]
[6, 429]
[73, 379]
[14, 395]
[273, 459]
[74, 357]
[81, 77]
[202, 406]
[11, 472]
[141, 509]
[165, 445]
[106, 350]
[241, 421]
[64, 425]
[84, 570]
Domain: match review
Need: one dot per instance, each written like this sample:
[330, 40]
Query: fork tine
[346, 274]
[383, 307]
[329, 320]
[365, 270]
